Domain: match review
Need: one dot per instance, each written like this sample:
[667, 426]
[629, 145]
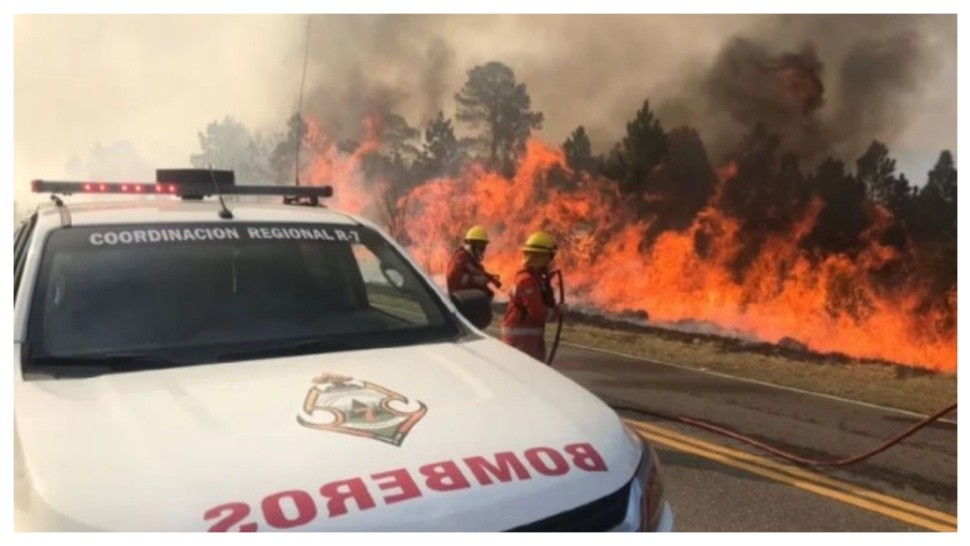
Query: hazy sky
[118, 96]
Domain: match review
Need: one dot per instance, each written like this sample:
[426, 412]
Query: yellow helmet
[540, 241]
[477, 233]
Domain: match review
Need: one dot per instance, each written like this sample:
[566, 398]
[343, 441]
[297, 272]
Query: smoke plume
[827, 84]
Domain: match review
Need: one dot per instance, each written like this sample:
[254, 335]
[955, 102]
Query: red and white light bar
[194, 190]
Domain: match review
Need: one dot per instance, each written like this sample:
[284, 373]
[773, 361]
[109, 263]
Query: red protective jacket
[531, 305]
[462, 267]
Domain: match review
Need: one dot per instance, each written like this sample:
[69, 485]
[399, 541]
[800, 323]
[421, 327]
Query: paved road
[717, 484]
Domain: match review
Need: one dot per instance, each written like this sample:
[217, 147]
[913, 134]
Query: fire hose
[562, 299]
[803, 461]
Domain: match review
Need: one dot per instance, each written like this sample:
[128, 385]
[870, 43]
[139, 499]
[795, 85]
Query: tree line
[662, 175]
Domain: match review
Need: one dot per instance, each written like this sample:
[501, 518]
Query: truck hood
[339, 441]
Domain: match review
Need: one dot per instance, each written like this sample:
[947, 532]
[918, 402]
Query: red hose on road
[803, 461]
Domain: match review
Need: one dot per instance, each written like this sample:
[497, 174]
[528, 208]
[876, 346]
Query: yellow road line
[805, 481]
[799, 472]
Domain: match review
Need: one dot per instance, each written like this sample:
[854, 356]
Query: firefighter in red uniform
[532, 302]
[465, 271]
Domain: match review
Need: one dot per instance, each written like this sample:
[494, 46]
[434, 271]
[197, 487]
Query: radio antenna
[225, 213]
[299, 128]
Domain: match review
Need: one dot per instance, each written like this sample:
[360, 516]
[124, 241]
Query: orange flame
[826, 303]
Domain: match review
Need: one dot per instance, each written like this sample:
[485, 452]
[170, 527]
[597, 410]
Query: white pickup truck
[182, 366]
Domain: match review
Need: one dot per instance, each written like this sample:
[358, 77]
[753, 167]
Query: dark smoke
[783, 91]
[875, 76]
[827, 84]
[440, 59]
[871, 68]
[755, 86]
[374, 64]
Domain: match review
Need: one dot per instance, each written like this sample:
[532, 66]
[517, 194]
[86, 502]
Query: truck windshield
[129, 297]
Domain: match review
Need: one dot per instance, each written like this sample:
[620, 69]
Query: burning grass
[867, 300]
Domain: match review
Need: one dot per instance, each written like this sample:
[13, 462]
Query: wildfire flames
[828, 303]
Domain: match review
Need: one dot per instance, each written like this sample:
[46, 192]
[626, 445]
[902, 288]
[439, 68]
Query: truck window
[182, 294]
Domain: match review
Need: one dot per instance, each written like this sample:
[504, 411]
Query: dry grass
[876, 383]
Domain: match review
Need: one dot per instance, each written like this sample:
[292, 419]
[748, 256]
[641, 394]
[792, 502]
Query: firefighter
[465, 271]
[532, 302]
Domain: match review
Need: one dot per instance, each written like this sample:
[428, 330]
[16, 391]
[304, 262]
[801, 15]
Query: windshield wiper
[298, 347]
[98, 363]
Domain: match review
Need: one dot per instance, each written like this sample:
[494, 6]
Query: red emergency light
[194, 190]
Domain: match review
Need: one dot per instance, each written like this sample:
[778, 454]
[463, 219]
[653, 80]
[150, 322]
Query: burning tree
[578, 151]
[442, 153]
[491, 100]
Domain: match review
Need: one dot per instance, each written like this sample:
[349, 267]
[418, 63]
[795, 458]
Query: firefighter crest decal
[342, 404]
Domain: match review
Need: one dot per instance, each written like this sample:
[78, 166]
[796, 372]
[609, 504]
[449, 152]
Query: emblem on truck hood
[339, 403]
